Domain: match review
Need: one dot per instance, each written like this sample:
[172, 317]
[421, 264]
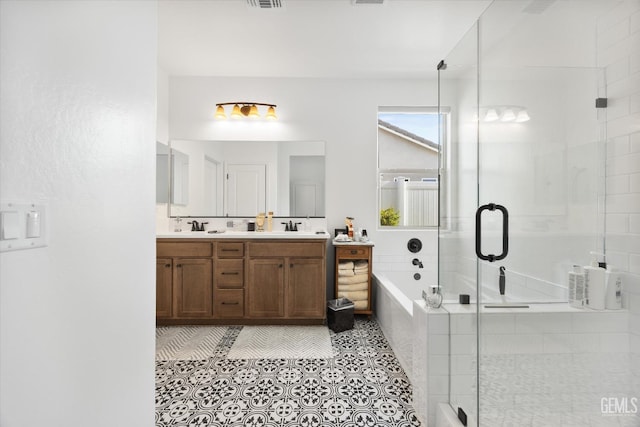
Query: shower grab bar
[505, 232]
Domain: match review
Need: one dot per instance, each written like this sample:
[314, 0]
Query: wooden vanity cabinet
[184, 280]
[228, 297]
[286, 280]
[253, 281]
[164, 287]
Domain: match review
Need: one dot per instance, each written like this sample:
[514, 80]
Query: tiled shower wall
[619, 54]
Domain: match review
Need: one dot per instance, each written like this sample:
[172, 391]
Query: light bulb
[220, 113]
[491, 116]
[236, 113]
[508, 115]
[271, 113]
[522, 116]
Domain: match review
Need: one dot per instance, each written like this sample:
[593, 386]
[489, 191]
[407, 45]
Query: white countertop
[352, 243]
[284, 235]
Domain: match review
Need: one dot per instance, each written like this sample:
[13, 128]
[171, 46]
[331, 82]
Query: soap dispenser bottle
[270, 221]
[595, 283]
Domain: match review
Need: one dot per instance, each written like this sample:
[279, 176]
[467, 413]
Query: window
[409, 151]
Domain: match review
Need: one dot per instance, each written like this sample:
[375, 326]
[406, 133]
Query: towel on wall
[358, 278]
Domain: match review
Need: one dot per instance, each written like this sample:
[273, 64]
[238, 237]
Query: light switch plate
[23, 226]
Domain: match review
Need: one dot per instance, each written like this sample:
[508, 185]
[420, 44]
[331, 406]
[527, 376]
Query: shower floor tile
[363, 385]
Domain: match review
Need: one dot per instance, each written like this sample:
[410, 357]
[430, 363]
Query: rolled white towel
[353, 296]
[345, 265]
[355, 287]
[346, 273]
[360, 305]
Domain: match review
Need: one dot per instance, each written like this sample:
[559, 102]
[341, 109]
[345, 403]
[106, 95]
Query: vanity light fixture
[245, 109]
[504, 114]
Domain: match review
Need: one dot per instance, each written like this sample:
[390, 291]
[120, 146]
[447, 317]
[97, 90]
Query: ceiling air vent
[359, 2]
[265, 4]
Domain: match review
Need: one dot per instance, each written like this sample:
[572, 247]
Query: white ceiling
[311, 38]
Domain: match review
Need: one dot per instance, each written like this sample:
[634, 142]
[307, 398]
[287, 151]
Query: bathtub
[394, 295]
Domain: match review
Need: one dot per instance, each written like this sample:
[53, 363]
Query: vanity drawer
[230, 273]
[288, 249]
[184, 249]
[229, 303]
[230, 249]
[356, 252]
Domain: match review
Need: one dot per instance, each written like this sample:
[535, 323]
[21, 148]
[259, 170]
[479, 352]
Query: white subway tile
[438, 323]
[585, 343]
[622, 125]
[618, 146]
[619, 260]
[438, 365]
[557, 343]
[438, 344]
[463, 324]
[634, 26]
[618, 184]
[617, 70]
[618, 107]
[623, 203]
[463, 364]
[599, 321]
[463, 344]
[614, 342]
[634, 183]
[634, 103]
[438, 384]
[634, 142]
[617, 223]
[634, 263]
[613, 35]
[462, 384]
[621, 165]
[634, 63]
[497, 323]
[536, 323]
[620, 13]
[512, 344]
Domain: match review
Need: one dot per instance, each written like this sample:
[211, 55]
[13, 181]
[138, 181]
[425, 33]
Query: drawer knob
[354, 251]
[167, 265]
[230, 273]
[230, 303]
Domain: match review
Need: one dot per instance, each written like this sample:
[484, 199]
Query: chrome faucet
[417, 262]
[502, 281]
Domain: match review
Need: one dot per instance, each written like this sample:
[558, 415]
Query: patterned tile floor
[363, 386]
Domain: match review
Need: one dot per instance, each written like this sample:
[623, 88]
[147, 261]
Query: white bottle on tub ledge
[613, 299]
[577, 297]
[595, 282]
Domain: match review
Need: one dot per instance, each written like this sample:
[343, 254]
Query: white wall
[78, 84]
[341, 112]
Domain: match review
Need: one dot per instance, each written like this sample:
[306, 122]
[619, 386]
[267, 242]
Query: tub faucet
[501, 281]
[417, 262]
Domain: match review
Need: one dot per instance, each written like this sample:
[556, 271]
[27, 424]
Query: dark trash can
[340, 314]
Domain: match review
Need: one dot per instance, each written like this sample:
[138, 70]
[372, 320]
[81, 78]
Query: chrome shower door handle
[505, 232]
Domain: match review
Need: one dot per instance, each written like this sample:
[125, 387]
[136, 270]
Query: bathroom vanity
[241, 278]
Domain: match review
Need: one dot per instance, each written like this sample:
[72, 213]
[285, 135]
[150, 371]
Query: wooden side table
[353, 274]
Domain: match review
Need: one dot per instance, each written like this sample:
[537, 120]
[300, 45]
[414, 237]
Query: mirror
[243, 178]
[175, 173]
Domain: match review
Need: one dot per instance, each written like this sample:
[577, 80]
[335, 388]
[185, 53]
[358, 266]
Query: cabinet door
[164, 281]
[265, 289]
[306, 291]
[193, 284]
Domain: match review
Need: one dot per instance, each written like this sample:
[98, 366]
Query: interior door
[213, 186]
[246, 189]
